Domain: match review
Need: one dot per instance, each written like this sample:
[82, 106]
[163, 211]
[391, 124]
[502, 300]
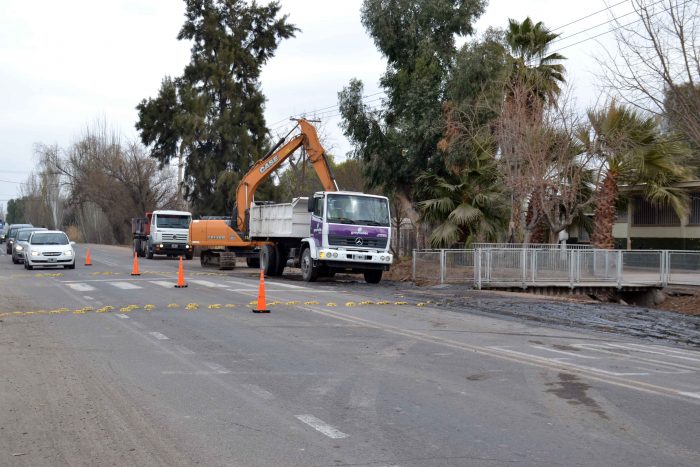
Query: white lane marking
[694, 395]
[290, 286]
[159, 336]
[103, 280]
[321, 426]
[666, 354]
[572, 365]
[604, 348]
[125, 285]
[189, 373]
[267, 289]
[81, 287]
[138, 325]
[206, 283]
[573, 354]
[217, 368]
[166, 284]
[184, 350]
[243, 283]
[121, 316]
[258, 391]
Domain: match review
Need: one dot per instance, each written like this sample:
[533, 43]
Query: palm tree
[466, 205]
[632, 151]
[532, 66]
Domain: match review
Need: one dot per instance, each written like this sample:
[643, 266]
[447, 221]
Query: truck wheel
[204, 259]
[308, 271]
[268, 260]
[253, 262]
[373, 276]
[189, 256]
[281, 253]
[149, 250]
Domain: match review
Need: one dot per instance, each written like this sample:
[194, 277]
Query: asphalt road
[101, 368]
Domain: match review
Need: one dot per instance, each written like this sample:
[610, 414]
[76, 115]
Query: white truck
[338, 231]
[162, 232]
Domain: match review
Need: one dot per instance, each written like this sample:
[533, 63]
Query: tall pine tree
[213, 113]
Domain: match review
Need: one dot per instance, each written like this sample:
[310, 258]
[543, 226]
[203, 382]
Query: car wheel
[28, 266]
[69, 266]
[309, 272]
[15, 260]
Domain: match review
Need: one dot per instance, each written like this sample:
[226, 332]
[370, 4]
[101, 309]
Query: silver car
[21, 243]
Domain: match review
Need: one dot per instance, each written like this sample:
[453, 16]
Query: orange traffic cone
[180, 276]
[261, 296]
[87, 258]
[135, 271]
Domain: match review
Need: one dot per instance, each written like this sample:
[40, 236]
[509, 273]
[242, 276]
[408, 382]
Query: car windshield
[358, 210]
[23, 235]
[50, 238]
[172, 221]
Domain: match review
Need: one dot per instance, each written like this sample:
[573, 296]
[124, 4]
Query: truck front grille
[352, 241]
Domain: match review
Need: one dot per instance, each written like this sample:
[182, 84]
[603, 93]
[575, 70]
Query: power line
[616, 18]
[618, 27]
[9, 181]
[588, 16]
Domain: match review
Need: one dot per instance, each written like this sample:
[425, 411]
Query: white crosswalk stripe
[165, 284]
[80, 287]
[126, 285]
[206, 283]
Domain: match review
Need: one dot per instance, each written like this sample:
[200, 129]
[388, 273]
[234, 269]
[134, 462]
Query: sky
[64, 65]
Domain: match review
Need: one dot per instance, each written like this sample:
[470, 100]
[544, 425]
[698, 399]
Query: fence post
[442, 266]
[571, 269]
[414, 266]
[619, 269]
[665, 267]
[477, 267]
[523, 266]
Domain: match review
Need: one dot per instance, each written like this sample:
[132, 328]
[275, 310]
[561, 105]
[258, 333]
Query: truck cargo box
[285, 220]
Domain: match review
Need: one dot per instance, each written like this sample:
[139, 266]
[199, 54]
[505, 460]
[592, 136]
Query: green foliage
[531, 65]
[466, 206]
[417, 37]
[15, 211]
[213, 113]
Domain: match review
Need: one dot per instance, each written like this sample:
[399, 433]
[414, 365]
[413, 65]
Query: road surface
[101, 368]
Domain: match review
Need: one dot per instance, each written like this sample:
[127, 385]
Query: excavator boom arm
[264, 167]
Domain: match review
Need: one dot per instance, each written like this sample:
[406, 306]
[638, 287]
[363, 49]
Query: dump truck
[328, 232]
[162, 232]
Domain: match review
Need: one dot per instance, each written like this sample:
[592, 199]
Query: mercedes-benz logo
[358, 241]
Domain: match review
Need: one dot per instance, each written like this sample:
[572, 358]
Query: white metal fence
[538, 267]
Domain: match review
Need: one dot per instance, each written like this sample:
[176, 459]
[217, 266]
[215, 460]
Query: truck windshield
[172, 221]
[358, 209]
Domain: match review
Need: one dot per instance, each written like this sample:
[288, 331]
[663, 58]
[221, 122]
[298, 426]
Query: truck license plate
[174, 245]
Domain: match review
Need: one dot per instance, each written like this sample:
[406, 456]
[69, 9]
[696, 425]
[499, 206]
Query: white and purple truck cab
[350, 232]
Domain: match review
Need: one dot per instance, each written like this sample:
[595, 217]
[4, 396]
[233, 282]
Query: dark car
[11, 232]
[21, 243]
[3, 232]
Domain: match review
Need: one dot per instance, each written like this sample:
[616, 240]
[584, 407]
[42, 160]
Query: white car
[49, 248]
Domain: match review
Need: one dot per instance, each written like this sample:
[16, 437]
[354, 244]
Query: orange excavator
[221, 240]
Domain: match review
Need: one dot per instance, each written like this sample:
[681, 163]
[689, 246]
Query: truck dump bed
[285, 220]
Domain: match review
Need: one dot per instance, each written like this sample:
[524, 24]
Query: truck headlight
[322, 254]
[335, 255]
[160, 246]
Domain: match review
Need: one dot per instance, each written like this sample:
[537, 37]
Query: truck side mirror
[311, 204]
